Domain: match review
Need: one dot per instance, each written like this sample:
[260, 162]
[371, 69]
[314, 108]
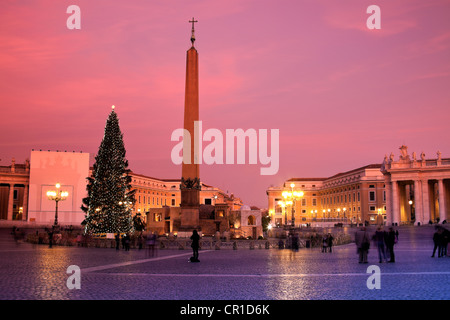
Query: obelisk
[190, 174]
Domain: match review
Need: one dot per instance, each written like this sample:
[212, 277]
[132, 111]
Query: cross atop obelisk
[193, 30]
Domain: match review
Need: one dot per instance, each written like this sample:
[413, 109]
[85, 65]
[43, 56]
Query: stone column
[389, 213]
[395, 203]
[10, 201]
[442, 204]
[418, 202]
[25, 203]
[425, 201]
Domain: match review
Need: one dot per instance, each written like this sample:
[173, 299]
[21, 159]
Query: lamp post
[292, 196]
[57, 196]
[379, 217]
[283, 207]
[412, 214]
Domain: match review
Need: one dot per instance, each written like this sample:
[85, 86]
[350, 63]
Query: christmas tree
[110, 200]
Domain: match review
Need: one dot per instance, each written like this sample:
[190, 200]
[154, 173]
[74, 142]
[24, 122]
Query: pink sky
[342, 95]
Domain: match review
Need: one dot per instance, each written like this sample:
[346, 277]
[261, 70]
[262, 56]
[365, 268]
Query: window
[173, 202]
[157, 217]
[371, 195]
[208, 201]
[303, 202]
[372, 208]
[251, 220]
[314, 202]
[359, 197]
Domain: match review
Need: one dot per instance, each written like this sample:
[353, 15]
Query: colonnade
[428, 183]
[427, 200]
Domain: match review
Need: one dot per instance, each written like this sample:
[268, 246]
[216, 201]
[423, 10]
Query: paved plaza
[37, 272]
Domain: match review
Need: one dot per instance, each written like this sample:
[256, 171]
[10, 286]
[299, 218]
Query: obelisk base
[189, 221]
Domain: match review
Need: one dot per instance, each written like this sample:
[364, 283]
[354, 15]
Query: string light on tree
[109, 188]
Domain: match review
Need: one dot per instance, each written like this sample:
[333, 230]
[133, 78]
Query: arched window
[251, 220]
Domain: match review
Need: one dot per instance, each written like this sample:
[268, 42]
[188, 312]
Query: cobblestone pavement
[36, 272]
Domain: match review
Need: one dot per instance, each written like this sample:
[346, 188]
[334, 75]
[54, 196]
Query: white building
[70, 170]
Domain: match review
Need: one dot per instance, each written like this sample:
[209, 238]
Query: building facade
[23, 189]
[356, 196]
[418, 190]
[14, 186]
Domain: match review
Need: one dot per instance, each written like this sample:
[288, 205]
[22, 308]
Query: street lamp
[283, 207]
[379, 217]
[411, 208]
[292, 196]
[57, 195]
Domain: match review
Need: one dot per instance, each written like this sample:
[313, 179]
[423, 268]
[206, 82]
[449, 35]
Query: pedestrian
[445, 235]
[195, 246]
[127, 242]
[50, 238]
[379, 240]
[362, 242]
[295, 245]
[324, 243]
[330, 241]
[140, 241]
[117, 238]
[79, 240]
[151, 241]
[436, 240]
[124, 239]
[391, 241]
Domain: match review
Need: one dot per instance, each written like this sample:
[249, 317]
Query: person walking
[330, 241]
[324, 243]
[195, 245]
[436, 241]
[362, 242]
[445, 241]
[379, 239]
[50, 238]
[151, 241]
[392, 239]
[117, 238]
